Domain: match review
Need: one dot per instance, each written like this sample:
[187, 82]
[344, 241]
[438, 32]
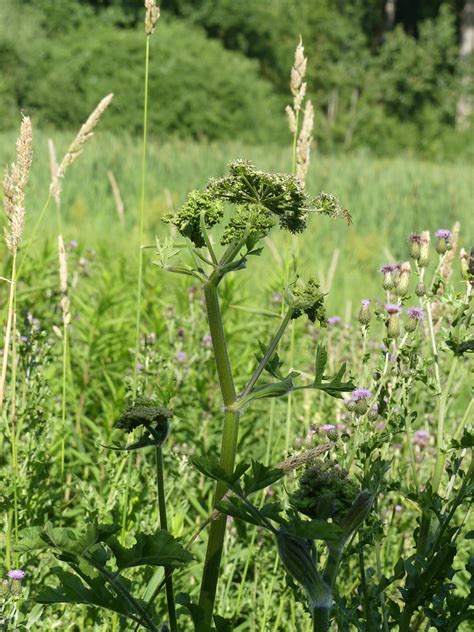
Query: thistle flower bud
[373, 412]
[360, 397]
[389, 271]
[424, 249]
[357, 513]
[415, 315]
[420, 289]
[403, 279]
[364, 312]
[415, 246]
[296, 556]
[444, 241]
[464, 261]
[15, 576]
[350, 405]
[393, 324]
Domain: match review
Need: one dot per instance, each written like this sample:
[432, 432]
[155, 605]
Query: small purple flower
[421, 438]
[181, 356]
[73, 244]
[24, 339]
[334, 320]
[365, 302]
[361, 393]
[416, 313]
[207, 342]
[389, 267]
[443, 233]
[140, 366]
[327, 427]
[392, 308]
[398, 508]
[16, 574]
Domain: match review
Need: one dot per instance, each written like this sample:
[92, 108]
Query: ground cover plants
[195, 442]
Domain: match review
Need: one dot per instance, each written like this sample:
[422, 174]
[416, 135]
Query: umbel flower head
[154, 418]
[263, 200]
[325, 492]
[308, 299]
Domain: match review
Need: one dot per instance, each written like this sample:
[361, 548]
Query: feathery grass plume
[119, 205]
[151, 17]
[14, 184]
[298, 71]
[63, 284]
[53, 166]
[303, 148]
[77, 145]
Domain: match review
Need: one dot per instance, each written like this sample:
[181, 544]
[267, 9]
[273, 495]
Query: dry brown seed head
[151, 17]
[303, 148]
[63, 284]
[290, 113]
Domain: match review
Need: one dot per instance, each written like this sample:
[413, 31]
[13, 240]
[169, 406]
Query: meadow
[244, 406]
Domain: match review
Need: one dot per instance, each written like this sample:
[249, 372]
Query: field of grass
[388, 199]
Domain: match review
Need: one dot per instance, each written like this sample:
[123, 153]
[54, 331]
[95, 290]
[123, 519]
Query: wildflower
[207, 342]
[393, 324]
[415, 246]
[373, 412]
[181, 356]
[334, 320]
[398, 508]
[73, 243]
[327, 427]
[420, 289]
[464, 263]
[421, 438]
[188, 219]
[16, 574]
[140, 367]
[330, 430]
[415, 316]
[24, 339]
[310, 300]
[360, 397]
[424, 249]
[403, 279]
[444, 243]
[389, 270]
[364, 312]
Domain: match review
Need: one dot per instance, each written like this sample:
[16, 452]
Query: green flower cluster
[145, 412]
[325, 492]
[262, 199]
[309, 299]
[188, 219]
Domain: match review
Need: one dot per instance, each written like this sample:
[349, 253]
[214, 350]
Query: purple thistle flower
[389, 267]
[414, 237]
[24, 338]
[207, 342]
[334, 320]
[73, 244]
[181, 356]
[140, 366]
[361, 393]
[327, 427]
[365, 302]
[421, 438]
[392, 308]
[16, 574]
[416, 313]
[443, 233]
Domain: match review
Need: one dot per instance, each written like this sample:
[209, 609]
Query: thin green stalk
[63, 397]
[289, 407]
[33, 234]
[228, 451]
[6, 344]
[440, 456]
[160, 485]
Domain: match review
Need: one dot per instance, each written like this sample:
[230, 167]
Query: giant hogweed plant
[244, 206]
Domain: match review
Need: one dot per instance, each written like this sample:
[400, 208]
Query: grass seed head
[151, 17]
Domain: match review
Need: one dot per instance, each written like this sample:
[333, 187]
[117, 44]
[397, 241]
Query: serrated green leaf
[260, 477]
[158, 549]
[320, 363]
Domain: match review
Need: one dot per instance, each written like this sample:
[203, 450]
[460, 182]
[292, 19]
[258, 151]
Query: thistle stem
[228, 451]
[160, 484]
[440, 458]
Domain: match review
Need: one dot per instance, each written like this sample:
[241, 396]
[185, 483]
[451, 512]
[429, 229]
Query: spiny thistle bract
[262, 199]
[324, 492]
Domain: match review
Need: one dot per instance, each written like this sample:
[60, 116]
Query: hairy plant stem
[160, 485]
[228, 451]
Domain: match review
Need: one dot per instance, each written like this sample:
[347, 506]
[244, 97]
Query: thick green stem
[228, 451]
[440, 454]
[160, 484]
[320, 619]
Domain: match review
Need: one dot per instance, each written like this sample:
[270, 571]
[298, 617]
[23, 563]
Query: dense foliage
[386, 87]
